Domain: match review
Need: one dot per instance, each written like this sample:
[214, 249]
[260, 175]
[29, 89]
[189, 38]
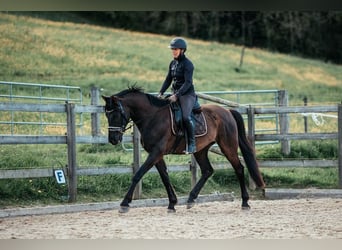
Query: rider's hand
[160, 95]
[173, 98]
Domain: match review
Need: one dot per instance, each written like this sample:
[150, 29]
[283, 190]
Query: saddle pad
[201, 127]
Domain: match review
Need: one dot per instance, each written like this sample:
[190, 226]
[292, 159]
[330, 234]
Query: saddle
[197, 116]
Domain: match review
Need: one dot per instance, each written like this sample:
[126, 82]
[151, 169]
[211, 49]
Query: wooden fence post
[71, 143]
[193, 169]
[305, 117]
[136, 160]
[284, 124]
[251, 138]
[95, 117]
[251, 125]
[339, 113]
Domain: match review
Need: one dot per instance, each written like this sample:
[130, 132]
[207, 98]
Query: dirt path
[289, 219]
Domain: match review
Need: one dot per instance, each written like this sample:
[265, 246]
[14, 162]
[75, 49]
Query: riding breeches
[187, 103]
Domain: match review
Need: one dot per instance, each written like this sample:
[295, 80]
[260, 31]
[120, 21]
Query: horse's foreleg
[206, 171]
[147, 165]
[161, 167]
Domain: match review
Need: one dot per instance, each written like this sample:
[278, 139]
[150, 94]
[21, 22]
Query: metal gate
[12, 122]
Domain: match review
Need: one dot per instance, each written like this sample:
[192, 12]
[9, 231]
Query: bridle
[124, 120]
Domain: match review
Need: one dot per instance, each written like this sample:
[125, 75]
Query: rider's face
[176, 52]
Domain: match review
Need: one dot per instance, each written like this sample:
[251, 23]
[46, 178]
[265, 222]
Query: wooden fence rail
[88, 171]
[71, 140]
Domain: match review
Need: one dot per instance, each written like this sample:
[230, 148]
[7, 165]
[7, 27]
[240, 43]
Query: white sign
[59, 174]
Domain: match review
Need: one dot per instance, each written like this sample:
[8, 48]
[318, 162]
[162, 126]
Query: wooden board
[72, 208]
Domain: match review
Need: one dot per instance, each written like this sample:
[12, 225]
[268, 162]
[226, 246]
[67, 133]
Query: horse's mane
[130, 89]
[158, 102]
[155, 101]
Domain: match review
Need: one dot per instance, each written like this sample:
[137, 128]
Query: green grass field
[36, 50]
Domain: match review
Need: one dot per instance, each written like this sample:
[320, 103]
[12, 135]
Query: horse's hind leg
[232, 156]
[239, 171]
[161, 167]
[206, 171]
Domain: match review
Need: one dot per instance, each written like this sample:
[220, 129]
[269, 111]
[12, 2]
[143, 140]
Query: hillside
[57, 52]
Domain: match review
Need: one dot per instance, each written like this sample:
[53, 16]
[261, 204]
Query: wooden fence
[284, 136]
[70, 139]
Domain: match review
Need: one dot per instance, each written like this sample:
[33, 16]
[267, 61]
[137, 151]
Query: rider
[180, 75]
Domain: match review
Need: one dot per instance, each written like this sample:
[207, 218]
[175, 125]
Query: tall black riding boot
[190, 129]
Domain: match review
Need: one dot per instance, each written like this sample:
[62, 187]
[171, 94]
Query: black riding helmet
[178, 43]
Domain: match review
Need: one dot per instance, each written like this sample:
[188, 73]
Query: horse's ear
[109, 99]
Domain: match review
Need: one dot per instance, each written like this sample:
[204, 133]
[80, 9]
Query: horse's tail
[248, 151]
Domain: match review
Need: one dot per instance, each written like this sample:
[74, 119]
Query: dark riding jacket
[180, 75]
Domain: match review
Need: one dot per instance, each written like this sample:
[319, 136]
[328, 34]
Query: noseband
[124, 120]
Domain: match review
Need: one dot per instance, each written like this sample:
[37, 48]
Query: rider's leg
[187, 103]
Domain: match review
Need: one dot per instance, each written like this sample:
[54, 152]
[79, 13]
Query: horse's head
[117, 118]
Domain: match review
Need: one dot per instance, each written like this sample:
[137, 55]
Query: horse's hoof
[245, 208]
[263, 193]
[190, 205]
[171, 210]
[123, 209]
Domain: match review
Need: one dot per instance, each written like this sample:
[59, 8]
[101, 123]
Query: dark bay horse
[151, 116]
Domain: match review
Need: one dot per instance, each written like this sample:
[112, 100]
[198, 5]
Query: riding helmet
[178, 43]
